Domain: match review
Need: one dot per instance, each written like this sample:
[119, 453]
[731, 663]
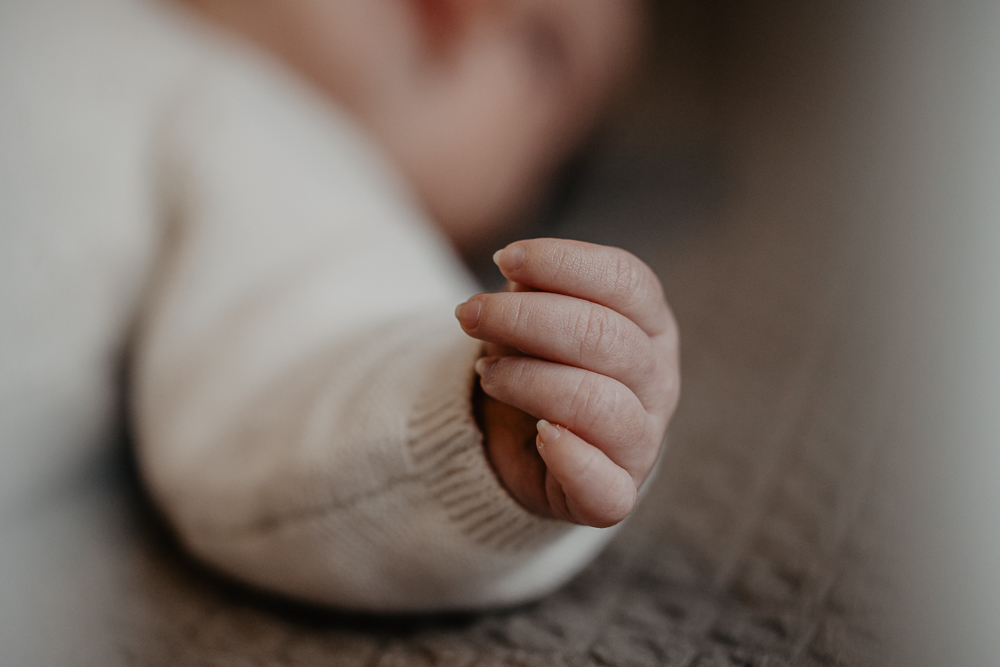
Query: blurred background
[818, 186]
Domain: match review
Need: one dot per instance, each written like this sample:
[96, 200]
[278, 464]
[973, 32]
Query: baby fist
[580, 378]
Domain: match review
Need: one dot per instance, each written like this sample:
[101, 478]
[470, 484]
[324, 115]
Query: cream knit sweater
[299, 384]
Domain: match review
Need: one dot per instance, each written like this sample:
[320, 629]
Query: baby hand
[586, 341]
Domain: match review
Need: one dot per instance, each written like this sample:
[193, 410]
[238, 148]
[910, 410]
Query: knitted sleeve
[302, 390]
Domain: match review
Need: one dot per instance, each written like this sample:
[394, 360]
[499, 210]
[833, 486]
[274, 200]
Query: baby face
[502, 98]
[475, 100]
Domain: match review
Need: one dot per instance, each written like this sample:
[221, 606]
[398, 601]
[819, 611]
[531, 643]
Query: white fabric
[298, 374]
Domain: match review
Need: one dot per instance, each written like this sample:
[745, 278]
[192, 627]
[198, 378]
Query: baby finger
[601, 410]
[582, 482]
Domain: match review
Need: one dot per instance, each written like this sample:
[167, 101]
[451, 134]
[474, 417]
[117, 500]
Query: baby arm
[301, 391]
[587, 341]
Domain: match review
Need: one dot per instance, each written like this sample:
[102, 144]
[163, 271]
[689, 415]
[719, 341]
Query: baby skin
[579, 378]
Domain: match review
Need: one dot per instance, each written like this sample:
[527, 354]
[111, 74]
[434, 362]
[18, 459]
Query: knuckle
[635, 283]
[663, 387]
[603, 334]
[627, 277]
[650, 373]
[602, 401]
[671, 334]
[596, 332]
[666, 376]
[631, 428]
[637, 354]
[590, 400]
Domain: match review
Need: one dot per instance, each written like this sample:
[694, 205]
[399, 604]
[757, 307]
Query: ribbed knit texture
[448, 453]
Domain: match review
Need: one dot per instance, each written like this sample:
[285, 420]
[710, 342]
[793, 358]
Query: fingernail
[468, 314]
[484, 366]
[547, 433]
[509, 258]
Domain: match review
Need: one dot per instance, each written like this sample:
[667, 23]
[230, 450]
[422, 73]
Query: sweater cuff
[447, 451]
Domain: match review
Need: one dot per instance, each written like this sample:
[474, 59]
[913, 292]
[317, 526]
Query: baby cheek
[490, 165]
[482, 141]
